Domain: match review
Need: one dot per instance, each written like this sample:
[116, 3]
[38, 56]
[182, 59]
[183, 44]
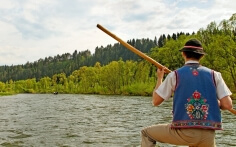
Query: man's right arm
[223, 92]
[225, 103]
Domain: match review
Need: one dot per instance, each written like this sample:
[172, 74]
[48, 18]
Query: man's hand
[160, 73]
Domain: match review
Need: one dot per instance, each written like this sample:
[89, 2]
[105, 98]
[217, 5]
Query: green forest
[116, 70]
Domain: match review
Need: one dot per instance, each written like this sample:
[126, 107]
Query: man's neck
[191, 59]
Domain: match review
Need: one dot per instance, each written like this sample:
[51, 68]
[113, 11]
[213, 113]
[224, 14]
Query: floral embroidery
[194, 71]
[196, 95]
[197, 108]
[193, 123]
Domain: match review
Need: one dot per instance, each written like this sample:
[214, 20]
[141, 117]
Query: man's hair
[193, 55]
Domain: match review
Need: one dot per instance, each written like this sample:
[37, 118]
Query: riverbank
[233, 96]
[6, 93]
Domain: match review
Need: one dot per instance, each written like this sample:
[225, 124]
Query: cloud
[30, 30]
[200, 4]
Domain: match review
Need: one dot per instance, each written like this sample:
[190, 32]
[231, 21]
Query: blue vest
[195, 102]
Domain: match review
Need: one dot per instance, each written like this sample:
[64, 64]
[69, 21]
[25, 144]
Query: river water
[67, 120]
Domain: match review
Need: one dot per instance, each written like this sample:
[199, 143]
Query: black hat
[193, 45]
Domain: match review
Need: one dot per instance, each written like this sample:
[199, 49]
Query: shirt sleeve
[221, 88]
[166, 89]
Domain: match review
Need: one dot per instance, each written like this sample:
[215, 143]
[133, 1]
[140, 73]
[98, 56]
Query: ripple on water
[12, 144]
[86, 120]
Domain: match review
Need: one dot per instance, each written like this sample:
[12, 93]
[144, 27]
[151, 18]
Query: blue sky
[30, 29]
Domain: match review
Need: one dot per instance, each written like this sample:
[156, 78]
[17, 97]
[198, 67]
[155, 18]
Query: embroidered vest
[195, 102]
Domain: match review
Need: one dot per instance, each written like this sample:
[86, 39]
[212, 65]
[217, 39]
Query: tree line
[116, 70]
[67, 63]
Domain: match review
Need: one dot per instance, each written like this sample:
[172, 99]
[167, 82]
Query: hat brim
[197, 51]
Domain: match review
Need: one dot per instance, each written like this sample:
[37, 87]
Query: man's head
[193, 49]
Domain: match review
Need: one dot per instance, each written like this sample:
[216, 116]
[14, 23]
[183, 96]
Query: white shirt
[166, 89]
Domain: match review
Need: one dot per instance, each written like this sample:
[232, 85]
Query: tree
[169, 54]
[2, 87]
[45, 84]
[222, 57]
[110, 77]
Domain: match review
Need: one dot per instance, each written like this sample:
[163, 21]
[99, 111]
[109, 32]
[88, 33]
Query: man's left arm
[163, 91]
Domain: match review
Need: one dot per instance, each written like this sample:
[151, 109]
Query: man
[199, 94]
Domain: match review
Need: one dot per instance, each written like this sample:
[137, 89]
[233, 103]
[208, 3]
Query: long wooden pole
[136, 51]
[233, 111]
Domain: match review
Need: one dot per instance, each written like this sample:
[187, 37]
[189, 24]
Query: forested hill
[116, 70]
[67, 63]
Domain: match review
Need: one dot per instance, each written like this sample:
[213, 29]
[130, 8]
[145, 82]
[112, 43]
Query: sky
[34, 29]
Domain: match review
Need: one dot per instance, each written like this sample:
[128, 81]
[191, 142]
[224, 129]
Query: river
[74, 120]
